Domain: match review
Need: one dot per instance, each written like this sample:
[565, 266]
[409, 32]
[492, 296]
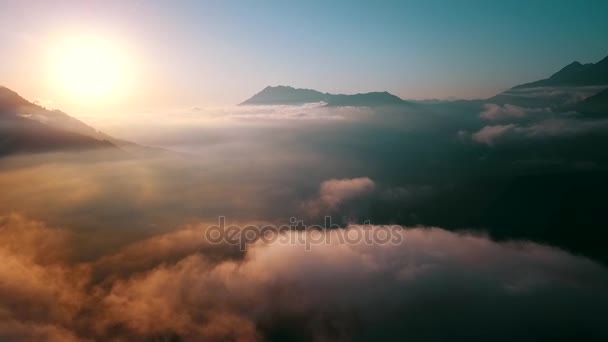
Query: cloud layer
[176, 285]
[116, 249]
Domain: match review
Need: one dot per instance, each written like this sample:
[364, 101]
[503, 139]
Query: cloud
[43, 102]
[317, 111]
[335, 194]
[387, 286]
[552, 127]
[177, 285]
[496, 112]
[41, 290]
[146, 254]
[11, 330]
[116, 249]
[490, 134]
[563, 127]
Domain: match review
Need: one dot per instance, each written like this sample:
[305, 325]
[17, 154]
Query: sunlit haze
[216, 53]
[89, 69]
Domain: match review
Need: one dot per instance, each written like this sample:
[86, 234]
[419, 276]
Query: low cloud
[490, 134]
[496, 112]
[41, 290]
[335, 194]
[563, 127]
[334, 291]
[553, 127]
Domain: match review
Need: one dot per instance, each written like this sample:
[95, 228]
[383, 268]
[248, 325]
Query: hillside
[26, 127]
[574, 74]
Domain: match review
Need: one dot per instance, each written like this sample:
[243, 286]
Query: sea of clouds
[116, 249]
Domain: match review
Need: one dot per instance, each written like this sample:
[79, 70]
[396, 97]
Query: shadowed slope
[575, 74]
[26, 127]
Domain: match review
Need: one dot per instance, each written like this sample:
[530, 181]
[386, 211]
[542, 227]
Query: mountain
[572, 84]
[596, 105]
[285, 95]
[27, 127]
[575, 74]
[365, 100]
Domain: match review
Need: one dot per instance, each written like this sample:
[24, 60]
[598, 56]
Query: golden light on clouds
[90, 69]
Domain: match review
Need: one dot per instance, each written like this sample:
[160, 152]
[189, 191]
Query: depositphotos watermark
[298, 233]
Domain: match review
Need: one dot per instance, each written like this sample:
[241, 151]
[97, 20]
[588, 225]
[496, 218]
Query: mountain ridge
[287, 95]
[28, 127]
[574, 74]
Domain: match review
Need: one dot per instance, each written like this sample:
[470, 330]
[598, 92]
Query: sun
[89, 69]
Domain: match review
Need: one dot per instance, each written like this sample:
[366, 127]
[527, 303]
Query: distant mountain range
[575, 81]
[574, 74]
[563, 90]
[285, 95]
[27, 127]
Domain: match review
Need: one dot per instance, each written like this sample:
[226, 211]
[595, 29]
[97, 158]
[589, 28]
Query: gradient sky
[221, 52]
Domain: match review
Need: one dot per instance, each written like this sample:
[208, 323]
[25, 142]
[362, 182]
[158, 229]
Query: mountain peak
[278, 87]
[284, 95]
[7, 94]
[287, 95]
[576, 65]
[10, 101]
[575, 74]
[569, 70]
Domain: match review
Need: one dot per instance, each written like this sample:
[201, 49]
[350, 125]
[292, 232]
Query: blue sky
[213, 52]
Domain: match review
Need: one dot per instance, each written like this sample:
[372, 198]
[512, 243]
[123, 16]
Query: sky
[198, 53]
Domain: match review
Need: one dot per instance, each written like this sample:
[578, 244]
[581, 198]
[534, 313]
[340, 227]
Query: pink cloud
[489, 134]
[495, 112]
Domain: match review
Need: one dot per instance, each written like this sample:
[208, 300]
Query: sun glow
[90, 69]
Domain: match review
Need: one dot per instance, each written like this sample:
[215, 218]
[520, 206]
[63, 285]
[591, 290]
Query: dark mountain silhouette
[23, 135]
[26, 127]
[546, 97]
[285, 95]
[572, 84]
[365, 100]
[596, 105]
[575, 74]
[10, 101]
